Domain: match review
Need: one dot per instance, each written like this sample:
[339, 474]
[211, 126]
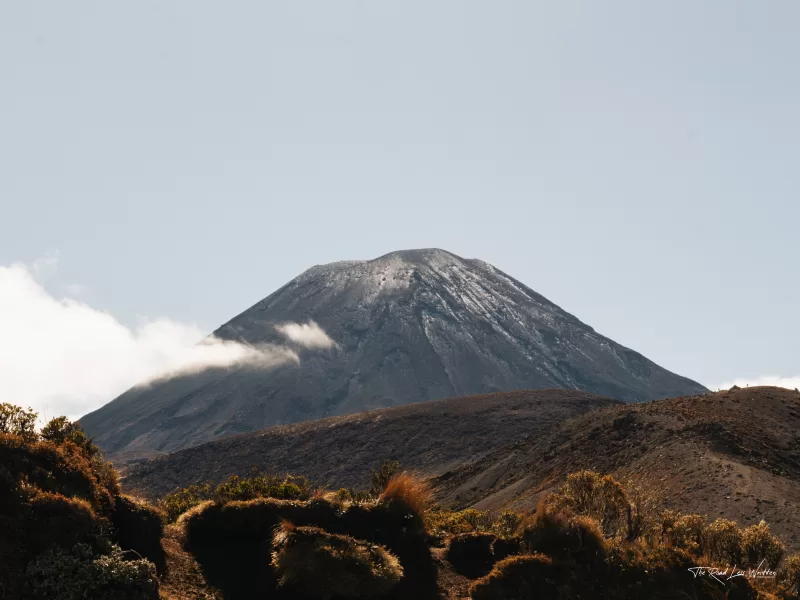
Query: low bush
[227, 539]
[313, 563]
[439, 520]
[472, 554]
[525, 577]
[563, 536]
[722, 542]
[382, 476]
[58, 499]
[593, 495]
[55, 520]
[760, 546]
[788, 574]
[139, 527]
[258, 485]
[687, 532]
[78, 573]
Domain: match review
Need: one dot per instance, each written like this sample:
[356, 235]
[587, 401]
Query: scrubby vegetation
[313, 563]
[67, 531]
[62, 516]
[257, 485]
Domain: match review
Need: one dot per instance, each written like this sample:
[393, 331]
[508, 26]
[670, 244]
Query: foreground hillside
[68, 532]
[733, 454]
[408, 327]
[430, 437]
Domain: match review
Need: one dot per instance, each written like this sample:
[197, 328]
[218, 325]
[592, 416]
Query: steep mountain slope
[409, 326]
[734, 454]
[431, 437]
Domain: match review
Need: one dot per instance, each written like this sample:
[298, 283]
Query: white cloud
[308, 335]
[784, 382]
[76, 289]
[61, 356]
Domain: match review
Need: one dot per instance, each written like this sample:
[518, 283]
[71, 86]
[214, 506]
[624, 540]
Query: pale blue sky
[635, 162]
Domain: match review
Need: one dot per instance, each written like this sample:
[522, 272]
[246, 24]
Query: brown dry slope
[431, 437]
[733, 454]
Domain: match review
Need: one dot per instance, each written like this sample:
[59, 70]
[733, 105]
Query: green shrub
[759, 545]
[315, 564]
[178, 502]
[382, 476]
[78, 574]
[258, 485]
[454, 522]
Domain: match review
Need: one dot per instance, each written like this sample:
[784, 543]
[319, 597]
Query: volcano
[407, 327]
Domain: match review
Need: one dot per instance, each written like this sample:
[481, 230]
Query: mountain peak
[409, 326]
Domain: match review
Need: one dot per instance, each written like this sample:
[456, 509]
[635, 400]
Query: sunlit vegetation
[69, 532]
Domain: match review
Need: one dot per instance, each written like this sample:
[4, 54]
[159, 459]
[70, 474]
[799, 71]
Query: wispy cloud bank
[61, 356]
[784, 382]
[308, 335]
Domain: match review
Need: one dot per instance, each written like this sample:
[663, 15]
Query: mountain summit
[409, 326]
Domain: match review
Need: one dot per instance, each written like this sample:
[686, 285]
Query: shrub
[258, 485]
[53, 519]
[526, 577]
[472, 554]
[759, 545]
[455, 522]
[600, 497]
[507, 524]
[311, 562]
[58, 468]
[60, 430]
[15, 420]
[687, 532]
[178, 502]
[722, 542]
[139, 527]
[382, 476]
[789, 574]
[76, 574]
[562, 536]
[227, 539]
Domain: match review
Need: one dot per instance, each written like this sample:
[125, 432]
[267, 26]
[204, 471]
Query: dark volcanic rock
[410, 326]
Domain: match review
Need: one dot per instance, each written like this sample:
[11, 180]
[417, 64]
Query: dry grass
[410, 492]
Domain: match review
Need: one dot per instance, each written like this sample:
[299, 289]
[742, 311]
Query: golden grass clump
[408, 492]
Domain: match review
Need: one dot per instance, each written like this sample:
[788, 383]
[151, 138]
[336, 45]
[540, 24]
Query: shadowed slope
[431, 436]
